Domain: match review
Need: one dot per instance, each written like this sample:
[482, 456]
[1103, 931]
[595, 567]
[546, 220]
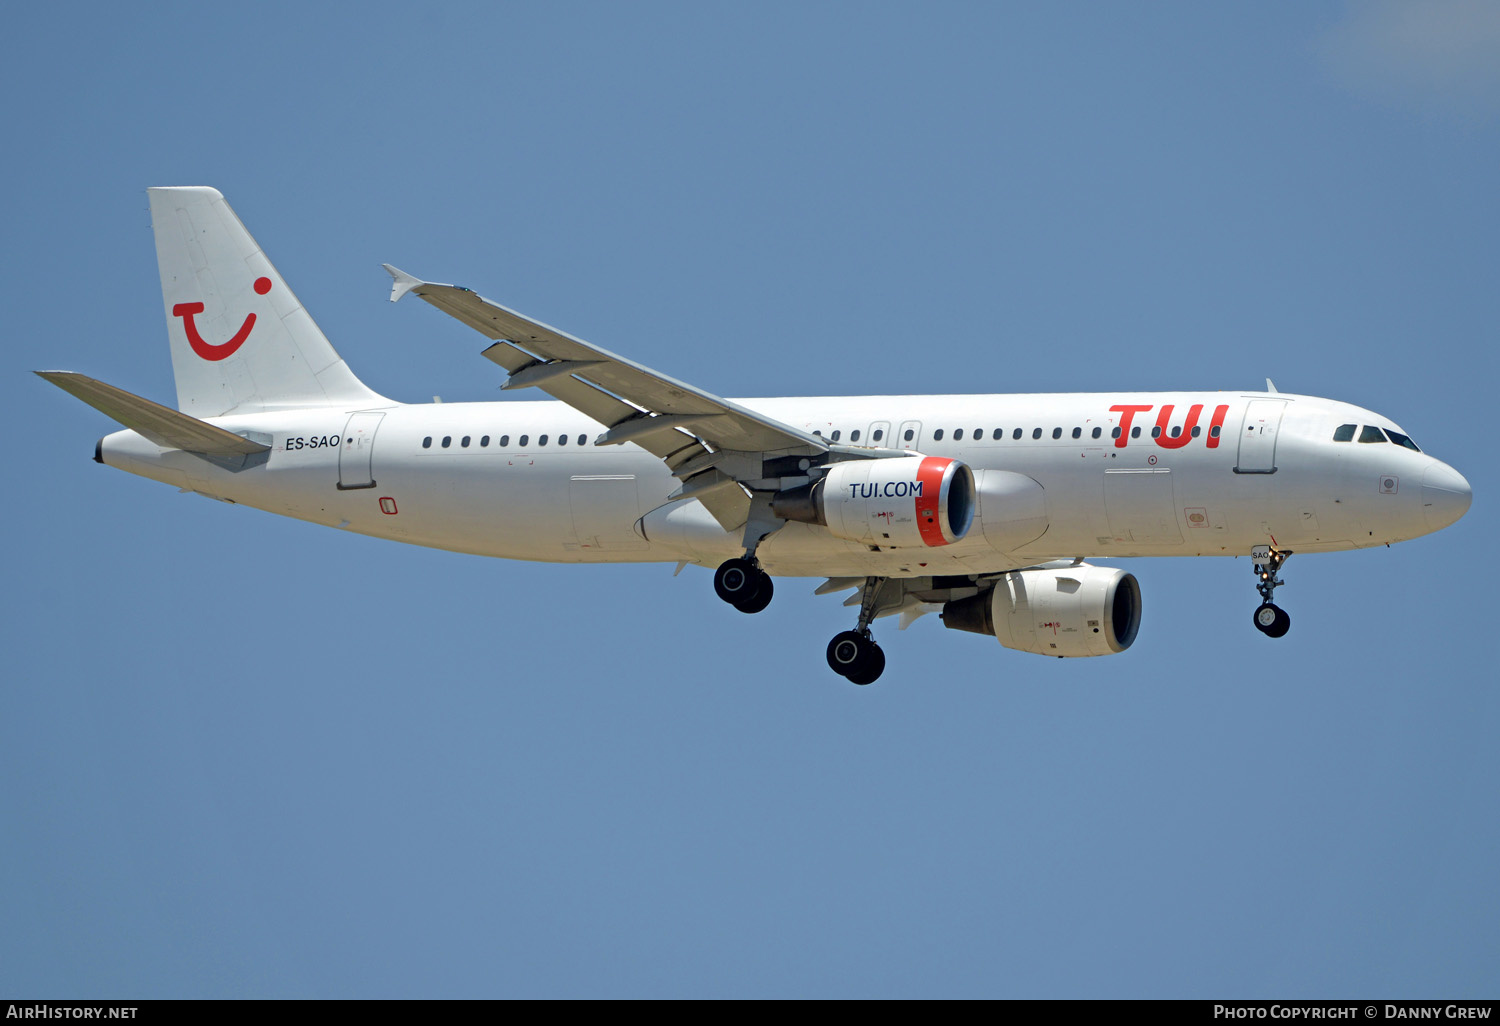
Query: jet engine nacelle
[903, 501]
[1081, 610]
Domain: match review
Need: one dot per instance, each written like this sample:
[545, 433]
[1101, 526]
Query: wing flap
[730, 507]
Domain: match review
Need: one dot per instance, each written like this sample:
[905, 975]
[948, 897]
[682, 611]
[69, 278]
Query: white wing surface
[693, 431]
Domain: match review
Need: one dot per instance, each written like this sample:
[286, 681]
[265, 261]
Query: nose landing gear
[1270, 619]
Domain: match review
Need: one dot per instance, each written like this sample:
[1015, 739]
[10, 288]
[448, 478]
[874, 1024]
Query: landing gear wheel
[761, 597]
[737, 580]
[873, 671]
[846, 653]
[855, 655]
[1272, 621]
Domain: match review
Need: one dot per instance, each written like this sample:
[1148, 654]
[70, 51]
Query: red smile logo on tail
[205, 349]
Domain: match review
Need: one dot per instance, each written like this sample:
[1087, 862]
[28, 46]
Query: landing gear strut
[854, 654]
[741, 582]
[744, 585]
[1270, 619]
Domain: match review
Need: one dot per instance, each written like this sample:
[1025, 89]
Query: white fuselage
[496, 479]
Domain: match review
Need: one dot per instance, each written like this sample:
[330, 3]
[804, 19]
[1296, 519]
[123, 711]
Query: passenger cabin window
[937, 436]
[465, 443]
[1036, 432]
[835, 435]
[1344, 433]
[999, 434]
[484, 441]
[504, 441]
[854, 435]
[958, 435]
[1016, 434]
[1057, 432]
[427, 442]
[1156, 432]
[541, 441]
[1402, 440]
[879, 434]
[1115, 433]
[1078, 432]
[582, 439]
[1197, 431]
[1371, 434]
[1135, 432]
[523, 440]
[1096, 433]
[562, 439]
[447, 441]
[1213, 432]
[908, 434]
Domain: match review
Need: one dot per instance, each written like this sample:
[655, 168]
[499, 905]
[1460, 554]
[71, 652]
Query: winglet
[1271, 387]
[402, 282]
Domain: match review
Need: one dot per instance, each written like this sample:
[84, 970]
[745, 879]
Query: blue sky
[243, 756]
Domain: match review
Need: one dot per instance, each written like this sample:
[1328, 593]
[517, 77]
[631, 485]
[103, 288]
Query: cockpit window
[1402, 440]
[1344, 433]
[1370, 434]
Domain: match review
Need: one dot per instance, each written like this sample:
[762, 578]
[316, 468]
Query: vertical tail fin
[240, 340]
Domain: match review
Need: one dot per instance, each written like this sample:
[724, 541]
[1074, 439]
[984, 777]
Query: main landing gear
[854, 654]
[1270, 619]
[741, 582]
[744, 585]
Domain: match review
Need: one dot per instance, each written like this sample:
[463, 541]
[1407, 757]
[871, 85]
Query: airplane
[982, 508]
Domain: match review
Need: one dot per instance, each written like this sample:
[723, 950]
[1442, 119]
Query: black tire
[762, 596]
[736, 580]
[1272, 621]
[873, 669]
[849, 653]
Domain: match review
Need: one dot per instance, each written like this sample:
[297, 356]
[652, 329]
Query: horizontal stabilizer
[161, 424]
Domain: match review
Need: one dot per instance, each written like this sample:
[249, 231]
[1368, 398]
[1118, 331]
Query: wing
[701, 437]
[914, 597]
[911, 597]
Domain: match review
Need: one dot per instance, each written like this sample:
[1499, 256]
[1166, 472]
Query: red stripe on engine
[930, 474]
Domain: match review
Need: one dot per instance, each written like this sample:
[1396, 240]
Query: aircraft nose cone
[1445, 496]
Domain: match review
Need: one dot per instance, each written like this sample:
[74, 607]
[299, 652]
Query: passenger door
[357, 451]
[1258, 436]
